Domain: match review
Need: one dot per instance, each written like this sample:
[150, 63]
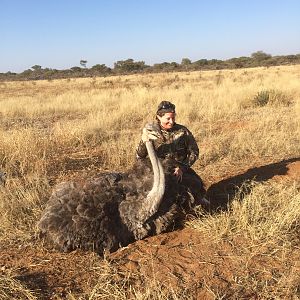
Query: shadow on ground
[223, 192]
[37, 282]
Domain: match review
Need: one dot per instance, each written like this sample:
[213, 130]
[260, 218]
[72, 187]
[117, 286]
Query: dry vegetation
[54, 130]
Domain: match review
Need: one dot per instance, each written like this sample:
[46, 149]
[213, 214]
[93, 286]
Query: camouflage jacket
[177, 144]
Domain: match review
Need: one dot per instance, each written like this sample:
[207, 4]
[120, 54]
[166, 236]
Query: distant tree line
[129, 66]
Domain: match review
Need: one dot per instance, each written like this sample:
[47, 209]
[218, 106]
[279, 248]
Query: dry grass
[263, 227]
[50, 131]
[11, 288]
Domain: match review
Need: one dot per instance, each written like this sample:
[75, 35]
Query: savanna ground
[247, 125]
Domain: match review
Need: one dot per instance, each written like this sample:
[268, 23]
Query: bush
[261, 98]
[272, 97]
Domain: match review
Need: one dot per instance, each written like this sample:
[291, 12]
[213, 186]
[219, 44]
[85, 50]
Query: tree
[186, 62]
[201, 62]
[83, 63]
[36, 68]
[129, 65]
[260, 56]
[76, 69]
[166, 66]
[102, 69]
[239, 62]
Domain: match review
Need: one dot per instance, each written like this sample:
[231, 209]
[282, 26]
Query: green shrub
[272, 97]
[262, 98]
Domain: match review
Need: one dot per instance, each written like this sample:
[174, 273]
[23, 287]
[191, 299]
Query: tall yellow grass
[53, 130]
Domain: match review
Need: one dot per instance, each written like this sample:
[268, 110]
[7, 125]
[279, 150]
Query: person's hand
[148, 135]
[178, 173]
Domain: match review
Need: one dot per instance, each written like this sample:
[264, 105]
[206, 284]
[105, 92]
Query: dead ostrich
[112, 210]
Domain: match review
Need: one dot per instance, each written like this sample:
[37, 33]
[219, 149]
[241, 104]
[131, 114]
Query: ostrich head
[2, 178]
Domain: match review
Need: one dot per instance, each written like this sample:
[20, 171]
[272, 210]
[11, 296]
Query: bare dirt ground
[182, 258]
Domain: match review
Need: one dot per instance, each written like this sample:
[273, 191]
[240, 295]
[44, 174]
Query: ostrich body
[112, 210]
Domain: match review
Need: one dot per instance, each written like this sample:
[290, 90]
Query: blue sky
[59, 33]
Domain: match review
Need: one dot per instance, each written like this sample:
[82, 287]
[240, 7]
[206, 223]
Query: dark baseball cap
[166, 106]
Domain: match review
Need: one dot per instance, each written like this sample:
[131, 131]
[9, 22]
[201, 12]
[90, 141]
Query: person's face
[167, 121]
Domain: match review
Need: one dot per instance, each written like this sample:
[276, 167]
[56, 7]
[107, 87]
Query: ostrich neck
[135, 212]
[155, 196]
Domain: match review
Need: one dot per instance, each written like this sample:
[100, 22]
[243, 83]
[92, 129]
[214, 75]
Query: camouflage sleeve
[193, 150]
[141, 150]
